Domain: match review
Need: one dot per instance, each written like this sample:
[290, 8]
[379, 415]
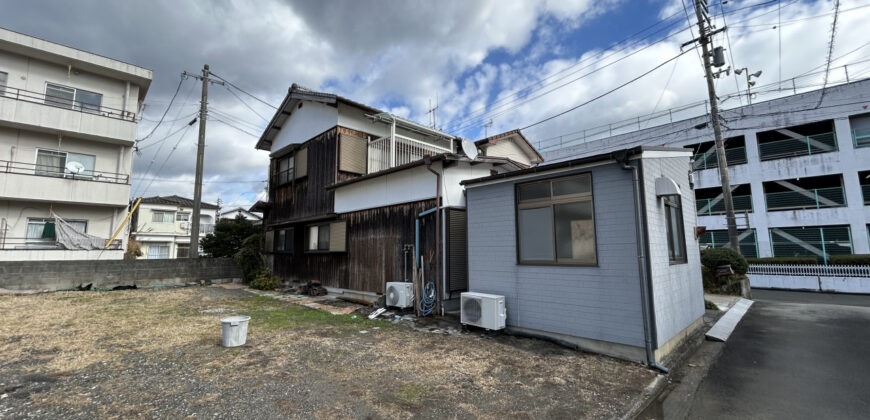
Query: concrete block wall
[54, 275]
[600, 303]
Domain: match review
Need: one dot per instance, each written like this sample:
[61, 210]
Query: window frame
[552, 202]
[179, 247]
[283, 237]
[63, 172]
[160, 255]
[76, 104]
[4, 82]
[675, 203]
[178, 217]
[164, 212]
[290, 173]
[308, 243]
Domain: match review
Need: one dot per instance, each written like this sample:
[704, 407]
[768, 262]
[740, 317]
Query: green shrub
[856, 259]
[248, 258]
[710, 305]
[711, 258]
[265, 280]
[784, 260]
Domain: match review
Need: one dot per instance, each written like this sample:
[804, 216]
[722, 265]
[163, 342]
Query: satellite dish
[75, 167]
[469, 148]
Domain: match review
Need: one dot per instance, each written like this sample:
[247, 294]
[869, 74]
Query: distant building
[67, 128]
[248, 215]
[799, 168]
[161, 225]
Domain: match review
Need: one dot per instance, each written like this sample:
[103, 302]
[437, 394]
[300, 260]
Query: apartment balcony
[32, 182]
[815, 198]
[861, 137]
[43, 244]
[716, 206]
[383, 153]
[41, 112]
[709, 159]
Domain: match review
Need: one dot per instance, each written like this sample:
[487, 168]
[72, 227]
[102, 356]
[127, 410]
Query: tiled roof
[174, 200]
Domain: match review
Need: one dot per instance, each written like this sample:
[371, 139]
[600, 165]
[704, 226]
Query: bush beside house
[712, 259]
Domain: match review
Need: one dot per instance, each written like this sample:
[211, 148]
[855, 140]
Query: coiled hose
[427, 301]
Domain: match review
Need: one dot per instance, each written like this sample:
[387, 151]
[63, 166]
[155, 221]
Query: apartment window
[162, 216]
[182, 251]
[39, 228]
[675, 230]
[318, 238]
[182, 217]
[285, 170]
[77, 99]
[57, 163]
[4, 77]
[556, 222]
[285, 240]
[158, 251]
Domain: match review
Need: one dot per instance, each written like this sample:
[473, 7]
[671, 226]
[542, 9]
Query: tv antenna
[433, 116]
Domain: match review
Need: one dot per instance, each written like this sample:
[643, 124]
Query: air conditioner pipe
[439, 278]
[642, 264]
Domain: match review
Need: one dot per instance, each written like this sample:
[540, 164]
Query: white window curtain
[50, 162]
[162, 217]
[158, 251]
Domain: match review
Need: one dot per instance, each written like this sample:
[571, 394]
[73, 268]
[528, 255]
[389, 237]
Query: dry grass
[388, 372]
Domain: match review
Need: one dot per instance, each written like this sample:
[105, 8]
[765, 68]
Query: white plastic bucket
[235, 330]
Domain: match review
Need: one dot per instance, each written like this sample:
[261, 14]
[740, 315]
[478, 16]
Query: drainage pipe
[439, 279]
[643, 266]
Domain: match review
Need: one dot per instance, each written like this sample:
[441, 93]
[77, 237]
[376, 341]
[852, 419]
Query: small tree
[134, 250]
[713, 258]
[228, 237]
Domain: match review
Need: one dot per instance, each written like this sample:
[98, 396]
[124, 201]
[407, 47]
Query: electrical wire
[187, 128]
[166, 111]
[244, 91]
[608, 92]
[168, 135]
[245, 104]
[730, 49]
[233, 126]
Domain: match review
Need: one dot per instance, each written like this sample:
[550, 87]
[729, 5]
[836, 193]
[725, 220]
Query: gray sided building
[585, 254]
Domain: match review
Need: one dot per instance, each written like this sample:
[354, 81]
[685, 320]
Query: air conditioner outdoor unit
[184, 225]
[483, 310]
[400, 294]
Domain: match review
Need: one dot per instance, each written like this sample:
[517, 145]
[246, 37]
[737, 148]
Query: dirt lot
[156, 353]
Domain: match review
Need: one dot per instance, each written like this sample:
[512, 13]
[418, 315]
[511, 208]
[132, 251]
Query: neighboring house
[799, 170]
[584, 253]
[236, 212]
[67, 127]
[348, 185]
[161, 225]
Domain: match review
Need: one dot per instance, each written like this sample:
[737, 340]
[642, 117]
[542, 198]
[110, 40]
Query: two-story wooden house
[356, 195]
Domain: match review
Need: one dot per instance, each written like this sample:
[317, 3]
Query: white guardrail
[823, 278]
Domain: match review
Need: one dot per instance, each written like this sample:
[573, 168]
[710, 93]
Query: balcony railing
[407, 150]
[816, 198]
[708, 160]
[861, 137]
[865, 191]
[714, 206]
[66, 103]
[23, 168]
[15, 243]
[809, 145]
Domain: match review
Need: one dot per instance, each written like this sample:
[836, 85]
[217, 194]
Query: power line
[730, 50]
[244, 91]
[190, 181]
[162, 165]
[245, 104]
[606, 93]
[166, 111]
[233, 126]
[168, 135]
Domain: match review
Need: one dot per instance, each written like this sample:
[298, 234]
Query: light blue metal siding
[601, 303]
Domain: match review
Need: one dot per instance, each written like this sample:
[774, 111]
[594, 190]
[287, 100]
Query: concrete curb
[649, 395]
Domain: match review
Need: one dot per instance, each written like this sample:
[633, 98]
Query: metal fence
[809, 145]
[711, 206]
[59, 102]
[816, 198]
[708, 160]
[861, 137]
[10, 167]
[809, 270]
[407, 150]
[17, 243]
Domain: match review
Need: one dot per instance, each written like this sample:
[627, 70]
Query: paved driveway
[795, 355]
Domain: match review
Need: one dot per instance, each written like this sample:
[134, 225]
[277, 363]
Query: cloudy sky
[490, 65]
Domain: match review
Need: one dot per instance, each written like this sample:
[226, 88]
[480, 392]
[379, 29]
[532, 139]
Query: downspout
[642, 265]
[438, 288]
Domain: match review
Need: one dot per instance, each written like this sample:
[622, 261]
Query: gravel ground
[156, 353]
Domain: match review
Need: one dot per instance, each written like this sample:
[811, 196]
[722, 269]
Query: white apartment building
[799, 168]
[246, 214]
[67, 127]
[161, 225]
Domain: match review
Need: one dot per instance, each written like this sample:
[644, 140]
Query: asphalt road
[794, 355]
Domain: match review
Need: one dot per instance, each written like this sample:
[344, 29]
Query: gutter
[438, 284]
[643, 263]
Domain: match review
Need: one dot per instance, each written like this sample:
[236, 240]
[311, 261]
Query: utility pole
[704, 33]
[200, 155]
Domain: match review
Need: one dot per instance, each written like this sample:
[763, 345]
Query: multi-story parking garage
[799, 168]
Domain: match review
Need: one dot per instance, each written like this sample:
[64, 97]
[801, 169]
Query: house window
[57, 163]
[285, 170]
[76, 99]
[318, 238]
[158, 251]
[39, 229]
[182, 251]
[182, 217]
[675, 231]
[162, 216]
[3, 79]
[555, 221]
[285, 240]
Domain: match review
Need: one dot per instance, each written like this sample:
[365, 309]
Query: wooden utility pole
[704, 39]
[200, 155]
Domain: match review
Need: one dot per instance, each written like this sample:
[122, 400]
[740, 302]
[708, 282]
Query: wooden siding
[374, 256]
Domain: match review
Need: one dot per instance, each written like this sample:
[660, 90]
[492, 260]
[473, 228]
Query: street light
[749, 83]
